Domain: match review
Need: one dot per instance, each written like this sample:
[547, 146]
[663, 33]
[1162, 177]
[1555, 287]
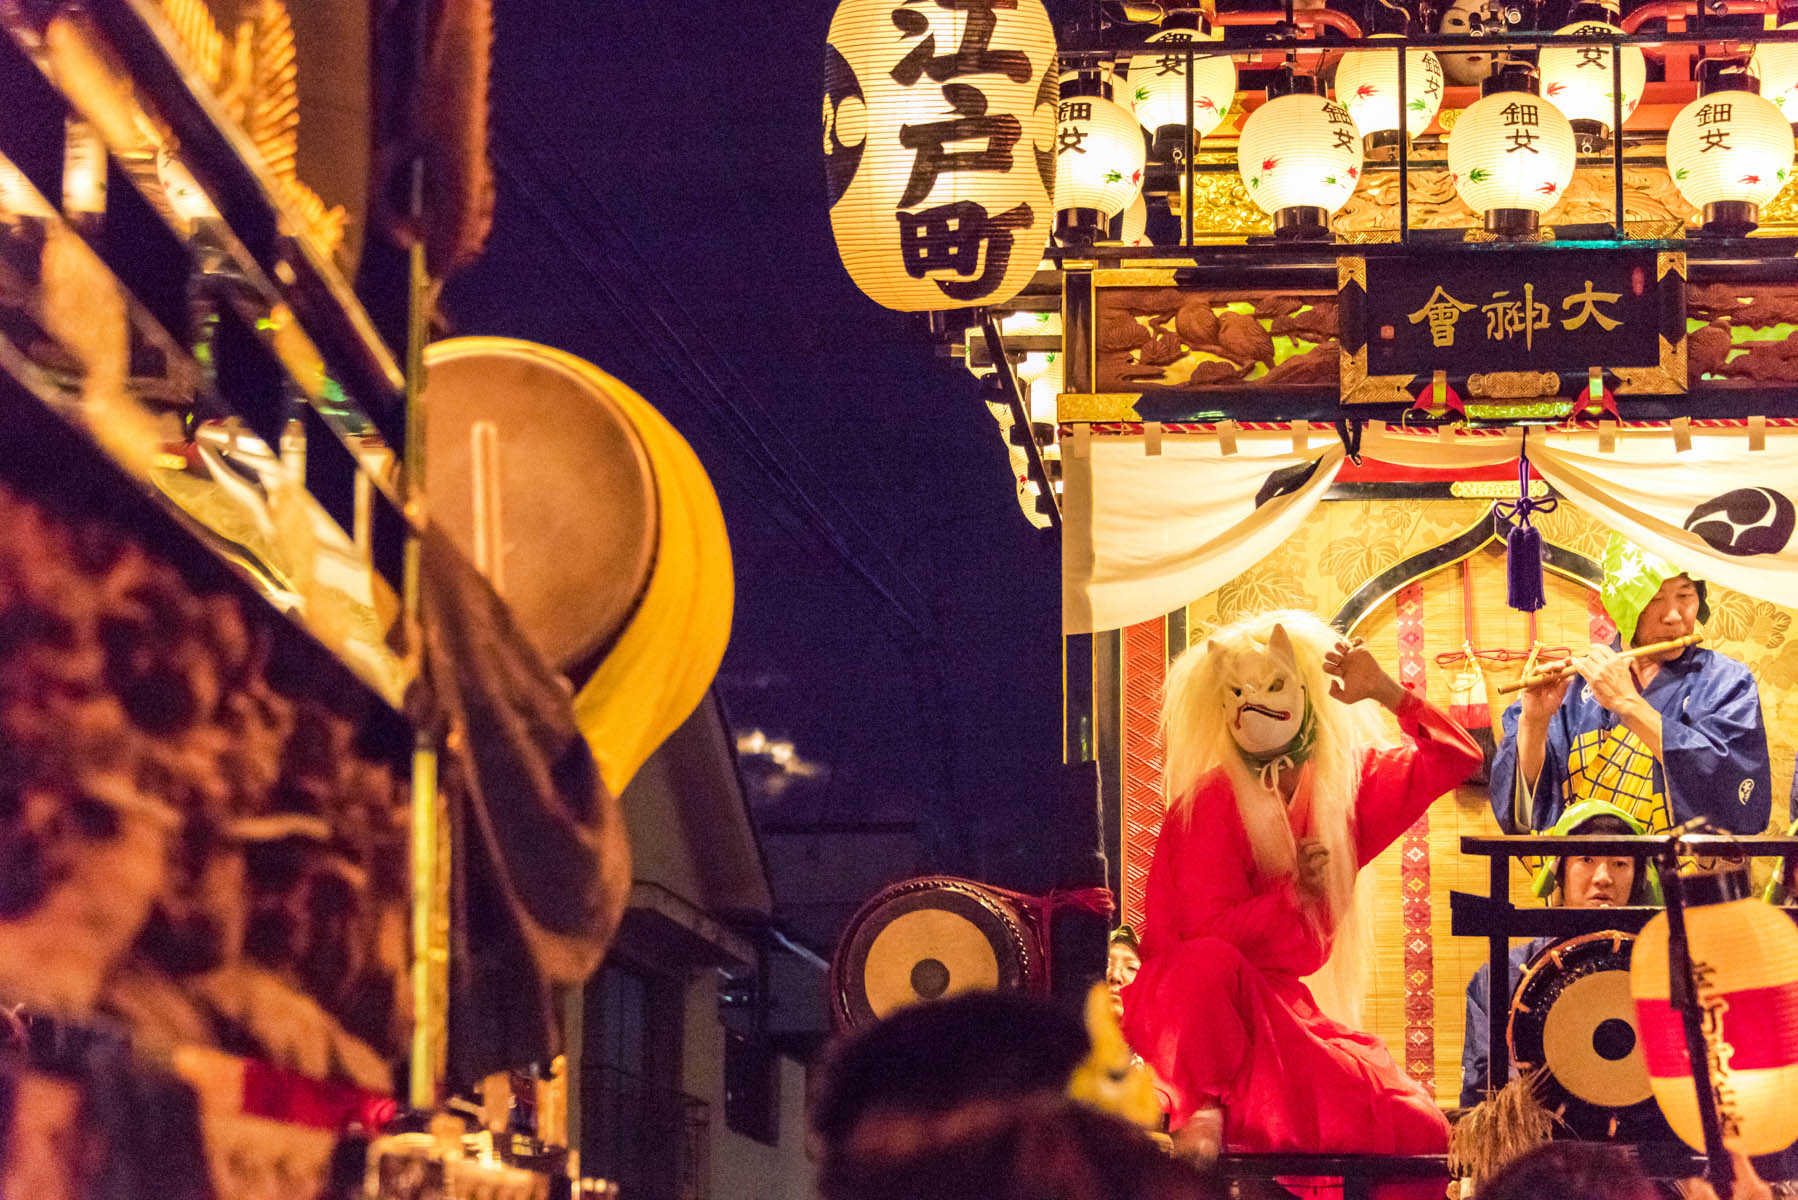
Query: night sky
[662, 214]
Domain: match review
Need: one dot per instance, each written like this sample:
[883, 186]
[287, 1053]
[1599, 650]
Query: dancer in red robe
[1283, 785]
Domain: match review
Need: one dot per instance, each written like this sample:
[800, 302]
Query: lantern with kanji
[1730, 152]
[1745, 968]
[1367, 85]
[939, 148]
[1099, 160]
[1511, 153]
[1157, 88]
[1581, 81]
[1299, 157]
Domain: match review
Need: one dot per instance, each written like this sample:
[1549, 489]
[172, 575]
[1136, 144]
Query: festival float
[1461, 328]
[314, 745]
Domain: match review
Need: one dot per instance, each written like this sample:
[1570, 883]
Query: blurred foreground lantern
[1745, 967]
[1580, 81]
[939, 148]
[1099, 160]
[1367, 85]
[1776, 66]
[1299, 157]
[1158, 89]
[1729, 152]
[1511, 153]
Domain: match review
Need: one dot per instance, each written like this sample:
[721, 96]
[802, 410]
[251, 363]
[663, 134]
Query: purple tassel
[1523, 568]
[1523, 547]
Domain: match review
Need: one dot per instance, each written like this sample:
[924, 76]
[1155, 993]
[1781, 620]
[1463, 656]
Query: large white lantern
[939, 148]
[1157, 86]
[1776, 66]
[1580, 82]
[1099, 156]
[1134, 227]
[1511, 155]
[1300, 159]
[1729, 152]
[1367, 85]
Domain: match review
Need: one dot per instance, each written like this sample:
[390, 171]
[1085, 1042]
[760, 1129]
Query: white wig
[1198, 742]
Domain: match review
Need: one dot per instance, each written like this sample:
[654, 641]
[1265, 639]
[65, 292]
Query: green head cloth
[1631, 578]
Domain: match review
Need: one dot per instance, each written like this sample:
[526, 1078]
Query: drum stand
[1496, 919]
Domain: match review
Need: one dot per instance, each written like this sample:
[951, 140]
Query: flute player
[1665, 736]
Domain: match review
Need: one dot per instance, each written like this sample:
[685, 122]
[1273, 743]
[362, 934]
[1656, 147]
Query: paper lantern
[1745, 962]
[1099, 156]
[1367, 85]
[1579, 80]
[1511, 155]
[1134, 229]
[939, 149]
[1157, 86]
[1776, 66]
[1300, 158]
[1729, 152]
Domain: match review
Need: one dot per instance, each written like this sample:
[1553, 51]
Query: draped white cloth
[1145, 533]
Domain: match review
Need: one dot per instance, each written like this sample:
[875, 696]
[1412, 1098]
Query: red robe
[1219, 1008]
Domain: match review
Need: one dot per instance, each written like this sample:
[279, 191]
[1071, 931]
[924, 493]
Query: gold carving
[1536, 410]
[1447, 118]
[1351, 270]
[1073, 407]
[1358, 387]
[1492, 489]
[1670, 261]
[1513, 385]
[1781, 212]
[1669, 376]
[1220, 203]
[1652, 207]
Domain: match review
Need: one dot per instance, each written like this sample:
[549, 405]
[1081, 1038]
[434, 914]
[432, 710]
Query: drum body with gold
[1573, 1021]
[928, 939]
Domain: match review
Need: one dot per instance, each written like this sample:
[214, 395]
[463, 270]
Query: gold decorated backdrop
[1349, 542]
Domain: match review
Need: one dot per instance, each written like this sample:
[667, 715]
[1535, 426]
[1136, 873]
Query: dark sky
[661, 213]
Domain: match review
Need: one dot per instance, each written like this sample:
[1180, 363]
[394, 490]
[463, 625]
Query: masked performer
[1665, 737]
[1283, 785]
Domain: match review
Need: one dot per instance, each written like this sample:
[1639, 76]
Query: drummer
[1665, 737]
[1580, 881]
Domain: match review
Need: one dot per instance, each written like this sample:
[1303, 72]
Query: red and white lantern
[939, 148]
[1745, 963]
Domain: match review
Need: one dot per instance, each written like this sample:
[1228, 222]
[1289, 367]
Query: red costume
[1220, 1008]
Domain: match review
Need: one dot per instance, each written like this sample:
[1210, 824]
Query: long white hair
[1197, 742]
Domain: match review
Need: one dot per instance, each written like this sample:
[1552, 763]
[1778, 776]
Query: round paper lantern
[1367, 85]
[1745, 963]
[1579, 80]
[1511, 155]
[1134, 231]
[1300, 159]
[939, 149]
[1729, 152]
[1776, 66]
[1099, 156]
[1157, 86]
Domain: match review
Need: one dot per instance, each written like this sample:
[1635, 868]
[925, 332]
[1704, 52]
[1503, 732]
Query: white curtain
[1145, 533]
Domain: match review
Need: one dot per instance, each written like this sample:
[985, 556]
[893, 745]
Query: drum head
[927, 939]
[524, 455]
[1572, 1018]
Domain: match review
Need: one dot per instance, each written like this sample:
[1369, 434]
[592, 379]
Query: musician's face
[1121, 968]
[1592, 881]
[1672, 613]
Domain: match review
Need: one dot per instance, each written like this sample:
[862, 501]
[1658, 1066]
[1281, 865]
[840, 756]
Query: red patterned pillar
[1414, 872]
[1145, 671]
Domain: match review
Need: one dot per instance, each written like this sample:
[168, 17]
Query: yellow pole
[430, 843]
